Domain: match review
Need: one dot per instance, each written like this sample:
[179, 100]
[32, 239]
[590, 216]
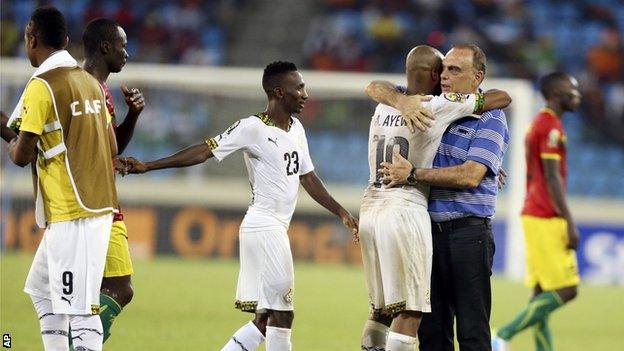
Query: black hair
[273, 73]
[549, 82]
[48, 24]
[97, 31]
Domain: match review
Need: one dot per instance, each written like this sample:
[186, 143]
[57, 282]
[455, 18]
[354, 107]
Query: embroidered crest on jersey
[455, 97]
[554, 137]
[95, 309]
[289, 296]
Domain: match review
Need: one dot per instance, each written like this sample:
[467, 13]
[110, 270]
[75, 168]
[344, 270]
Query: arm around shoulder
[383, 92]
[494, 99]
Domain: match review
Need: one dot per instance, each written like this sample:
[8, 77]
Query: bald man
[395, 229]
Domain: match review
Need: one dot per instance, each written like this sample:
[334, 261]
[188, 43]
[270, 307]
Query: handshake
[128, 165]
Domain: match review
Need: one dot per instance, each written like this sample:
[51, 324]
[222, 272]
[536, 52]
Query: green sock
[543, 340]
[109, 309]
[69, 337]
[538, 309]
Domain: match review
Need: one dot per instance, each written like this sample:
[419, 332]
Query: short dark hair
[479, 61]
[273, 73]
[97, 31]
[48, 24]
[549, 82]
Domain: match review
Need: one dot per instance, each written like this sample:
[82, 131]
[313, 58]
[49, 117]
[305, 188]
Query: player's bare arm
[22, 149]
[189, 156]
[136, 102]
[494, 99]
[556, 189]
[112, 140]
[410, 105]
[7, 133]
[314, 186]
[468, 175]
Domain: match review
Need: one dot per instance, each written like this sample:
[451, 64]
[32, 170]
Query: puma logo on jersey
[274, 141]
[66, 299]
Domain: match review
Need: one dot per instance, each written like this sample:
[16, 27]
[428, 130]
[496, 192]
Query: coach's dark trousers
[460, 286]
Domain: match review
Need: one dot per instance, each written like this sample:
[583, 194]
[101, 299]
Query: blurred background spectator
[187, 31]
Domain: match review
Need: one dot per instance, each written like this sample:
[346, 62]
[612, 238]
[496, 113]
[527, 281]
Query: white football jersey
[275, 159]
[388, 130]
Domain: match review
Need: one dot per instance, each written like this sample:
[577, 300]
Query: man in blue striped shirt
[464, 185]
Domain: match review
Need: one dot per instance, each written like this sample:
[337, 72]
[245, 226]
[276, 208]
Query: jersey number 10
[384, 152]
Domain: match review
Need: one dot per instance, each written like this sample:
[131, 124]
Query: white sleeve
[449, 107]
[306, 160]
[238, 136]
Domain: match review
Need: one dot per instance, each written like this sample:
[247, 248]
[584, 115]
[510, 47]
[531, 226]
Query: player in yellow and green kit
[550, 233]
[105, 52]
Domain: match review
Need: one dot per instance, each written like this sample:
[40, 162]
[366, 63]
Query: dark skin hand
[314, 186]
[22, 149]
[136, 102]
[7, 133]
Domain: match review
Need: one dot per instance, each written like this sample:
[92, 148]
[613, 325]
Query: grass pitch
[188, 305]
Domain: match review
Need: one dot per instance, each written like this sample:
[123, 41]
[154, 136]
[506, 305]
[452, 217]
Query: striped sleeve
[490, 142]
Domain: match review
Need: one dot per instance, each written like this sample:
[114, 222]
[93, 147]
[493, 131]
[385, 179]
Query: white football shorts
[266, 278]
[69, 265]
[397, 252]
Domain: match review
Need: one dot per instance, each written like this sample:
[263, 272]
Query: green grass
[188, 305]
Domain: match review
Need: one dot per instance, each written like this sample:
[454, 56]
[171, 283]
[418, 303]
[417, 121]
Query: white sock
[54, 327]
[278, 339]
[400, 342]
[87, 332]
[247, 338]
[374, 336]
